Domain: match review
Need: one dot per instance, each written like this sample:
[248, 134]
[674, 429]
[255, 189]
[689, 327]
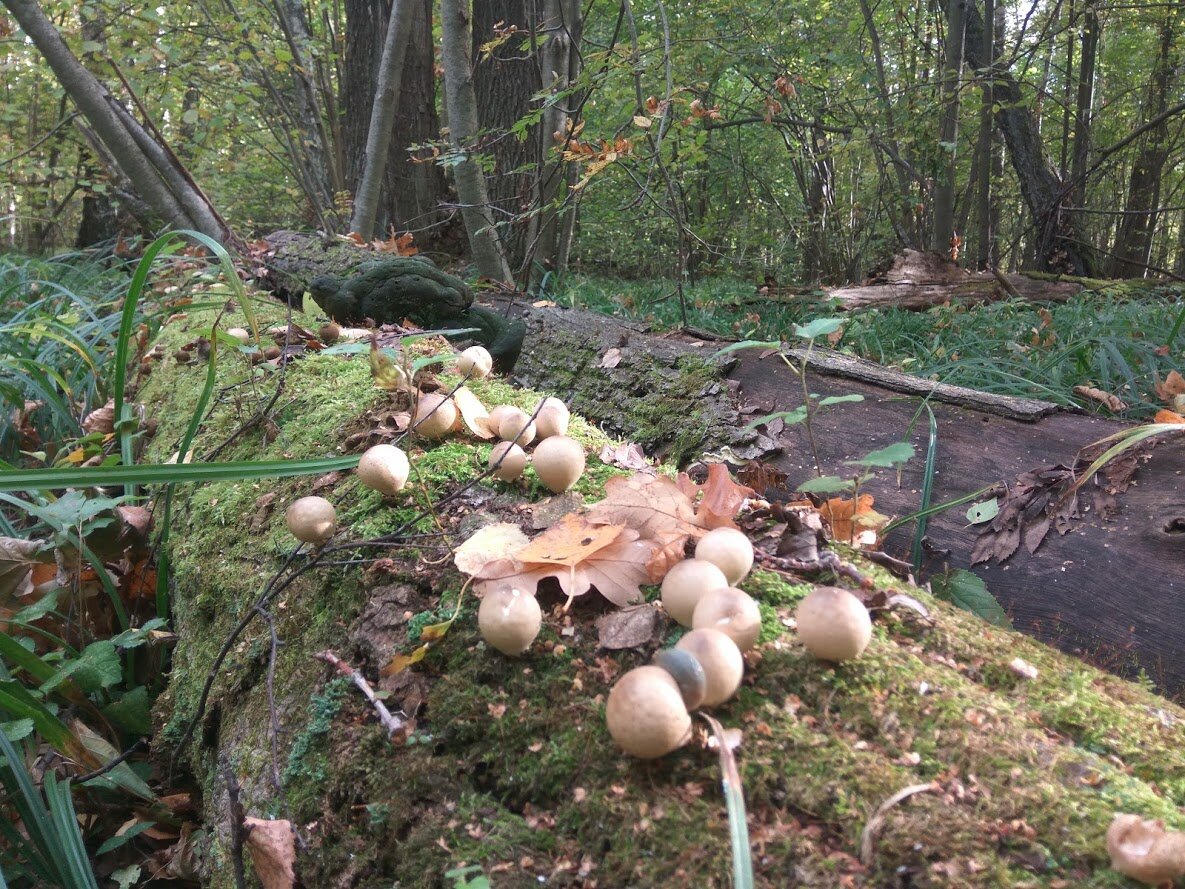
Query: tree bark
[948, 133]
[382, 119]
[156, 176]
[484, 239]
[1084, 106]
[986, 251]
[1133, 239]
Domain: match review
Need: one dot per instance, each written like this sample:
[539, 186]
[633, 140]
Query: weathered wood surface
[1111, 590]
[922, 280]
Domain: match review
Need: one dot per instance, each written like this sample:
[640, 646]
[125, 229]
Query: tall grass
[1103, 340]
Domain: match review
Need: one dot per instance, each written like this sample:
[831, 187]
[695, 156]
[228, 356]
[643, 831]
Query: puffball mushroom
[509, 620]
[435, 415]
[311, 519]
[732, 612]
[514, 461]
[515, 425]
[722, 662]
[384, 468]
[559, 462]
[687, 672]
[646, 715]
[833, 624]
[475, 362]
[239, 334]
[497, 415]
[1143, 850]
[729, 550]
[552, 418]
[685, 584]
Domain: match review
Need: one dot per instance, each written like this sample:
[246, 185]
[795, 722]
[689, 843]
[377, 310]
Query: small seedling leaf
[984, 511]
[817, 328]
[969, 592]
[826, 484]
[898, 452]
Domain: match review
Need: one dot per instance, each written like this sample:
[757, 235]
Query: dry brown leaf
[1173, 385]
[629, 628]
[720, 498]
[670, 548]
[472, 412]
[627, 456]
[1106, 399]
[651, 505]
[100, 420]
[487, 545]
[1168, 417]
[1143, 850]
[579, 555]
[854, 523]
[272, 845]
[610, 359]
[18, 558]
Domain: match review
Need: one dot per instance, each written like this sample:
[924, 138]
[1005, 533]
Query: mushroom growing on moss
[687, 672]
[729, 550]
[435, 415]
[833, 624]
[552, 418]
[384, 468]
[515, 425]
[475, 362]
[1143, 850]
[509, 620]
[722, 662]
[559, 462]
[646, 715]
[513, 461]
[685, 584]
[311, 519]
[732, 612]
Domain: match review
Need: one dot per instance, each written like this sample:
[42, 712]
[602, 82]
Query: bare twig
[111, 763]
[396, 726]
[238, 833]
[868, 836]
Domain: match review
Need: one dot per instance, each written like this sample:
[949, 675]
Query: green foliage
[970, 593]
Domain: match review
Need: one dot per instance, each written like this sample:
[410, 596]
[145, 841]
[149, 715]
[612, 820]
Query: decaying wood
[922, 280]
[1111, 589]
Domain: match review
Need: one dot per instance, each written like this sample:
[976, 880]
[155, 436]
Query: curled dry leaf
[1143, 850]
[272, 845]
[1106, 399]
[473, 412]
[1173, 385]
[487, 545]
[100, 420]
[854, 522]
[720, 498]
[1163, 416]
[18, 561]
[627, 456]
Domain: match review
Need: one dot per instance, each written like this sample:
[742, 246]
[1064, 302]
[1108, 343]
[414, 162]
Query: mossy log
[509, 769]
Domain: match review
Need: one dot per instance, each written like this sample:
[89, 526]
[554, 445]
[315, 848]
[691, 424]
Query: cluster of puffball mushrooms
[558, 460]
[649, 708]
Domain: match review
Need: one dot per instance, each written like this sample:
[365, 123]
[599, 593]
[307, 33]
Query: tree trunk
[1084, 106]
[484, 239]
[1133, 240]
[156, 175]
[1059, 244]
[943, 240]
[986, 251]
[382, 119]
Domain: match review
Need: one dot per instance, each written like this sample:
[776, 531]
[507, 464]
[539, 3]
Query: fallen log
[1076, 591]
[502, 767]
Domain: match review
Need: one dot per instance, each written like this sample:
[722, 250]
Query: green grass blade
[927, 491]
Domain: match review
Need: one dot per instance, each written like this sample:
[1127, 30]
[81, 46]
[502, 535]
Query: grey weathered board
[1112, 591]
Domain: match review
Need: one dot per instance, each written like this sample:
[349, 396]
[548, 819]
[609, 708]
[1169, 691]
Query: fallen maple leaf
[580, 556]
[651, 505]
[855, 523]
[273, 851]
[720, 497]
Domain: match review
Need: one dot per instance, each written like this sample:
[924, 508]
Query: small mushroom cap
[515, 425]
[497, 415]
[435, 415]
[722, 662]
[311, 519]
[1143, 850]
[475, 362]
[240, 334]
[685, 584]
[559, 462]
[687, 672]
[509, 620]
[552, 418]
[513, 463]
[729, 550]
[732, 612]
[330, 332]
[833, 624]
[384, 468]
[646, 715]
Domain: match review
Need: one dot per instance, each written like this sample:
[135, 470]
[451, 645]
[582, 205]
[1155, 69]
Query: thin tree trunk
[1133, 240]
[1084, 106]
[484, 239]
[948, 135]
[985, 248]
[382, 119]
[121, 134]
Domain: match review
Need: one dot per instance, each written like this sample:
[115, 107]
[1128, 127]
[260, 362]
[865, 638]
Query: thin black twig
[112, 763]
